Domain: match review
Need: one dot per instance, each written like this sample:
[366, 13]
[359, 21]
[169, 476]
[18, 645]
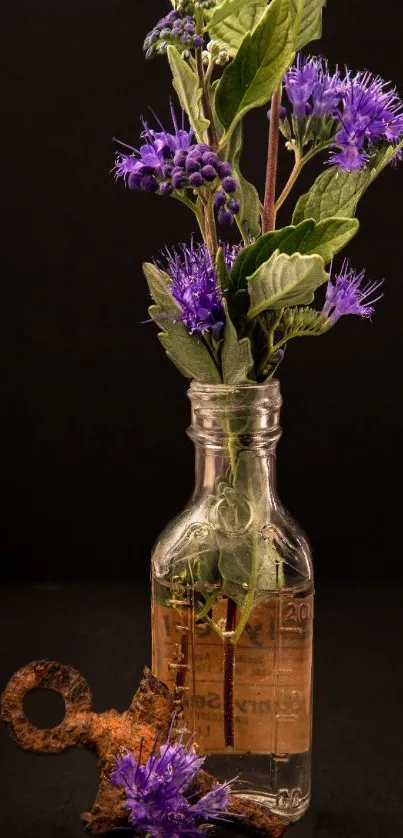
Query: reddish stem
[269, 212]
[229, 672]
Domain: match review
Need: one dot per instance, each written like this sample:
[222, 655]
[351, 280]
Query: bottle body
[232, 609]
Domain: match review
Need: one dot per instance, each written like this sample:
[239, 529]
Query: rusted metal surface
[106, 733]
[148, 716]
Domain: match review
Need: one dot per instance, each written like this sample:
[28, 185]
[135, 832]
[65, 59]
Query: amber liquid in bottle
[270, 755]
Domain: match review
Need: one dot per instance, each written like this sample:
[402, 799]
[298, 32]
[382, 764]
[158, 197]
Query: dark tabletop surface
[104, 632]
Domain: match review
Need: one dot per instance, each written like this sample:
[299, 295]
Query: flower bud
[234, 206]
[211, 159]
[196, 179]
[209, 173]
[219, 199]
[148, 183]
[180, 157]
[165, 188]
[225, 217]
[229, 185]
[178, 178]
[192, 165]
[224, 169]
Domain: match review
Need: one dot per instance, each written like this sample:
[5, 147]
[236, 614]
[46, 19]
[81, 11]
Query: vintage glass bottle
[232, 604]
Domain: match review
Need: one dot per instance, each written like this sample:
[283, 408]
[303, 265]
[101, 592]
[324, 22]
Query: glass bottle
[232, 604]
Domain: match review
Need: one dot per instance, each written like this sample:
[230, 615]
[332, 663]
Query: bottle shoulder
[230, 533]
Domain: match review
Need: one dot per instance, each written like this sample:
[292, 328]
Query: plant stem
[229, 671]
[249, 599]
[210, 227]
[269, 215]
[207, 110]
[206, 608]
[297, 168]
[299, 164]
[208, 113]
[270, 340]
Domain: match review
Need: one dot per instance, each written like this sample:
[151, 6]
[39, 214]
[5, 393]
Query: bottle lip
[254, 410]
[271, 387]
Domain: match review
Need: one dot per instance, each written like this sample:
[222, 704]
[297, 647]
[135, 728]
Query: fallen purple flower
[155, 791]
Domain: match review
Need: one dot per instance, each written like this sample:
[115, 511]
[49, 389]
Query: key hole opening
[44, 708]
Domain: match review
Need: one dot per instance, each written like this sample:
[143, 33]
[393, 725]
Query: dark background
[94, 455]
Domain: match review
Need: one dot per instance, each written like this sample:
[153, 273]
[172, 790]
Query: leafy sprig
[228, 57]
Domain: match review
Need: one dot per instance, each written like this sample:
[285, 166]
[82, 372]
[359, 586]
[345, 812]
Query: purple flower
[155, 791]
[357, 112]
[300, 81]
[152, 158]
[195, 288]
[327, 91]
[230, 253]
[371, 112]
[349, 157]
[174, 161]
[311, 89]
[348, 294]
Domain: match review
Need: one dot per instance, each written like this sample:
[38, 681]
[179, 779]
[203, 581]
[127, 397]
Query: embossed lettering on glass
[233, 603]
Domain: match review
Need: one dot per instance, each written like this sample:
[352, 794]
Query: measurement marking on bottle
[183, 603]
[272, 672]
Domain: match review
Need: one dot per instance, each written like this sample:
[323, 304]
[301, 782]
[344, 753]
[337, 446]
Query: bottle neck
[235, 431]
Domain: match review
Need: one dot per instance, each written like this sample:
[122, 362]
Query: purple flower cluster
[349, 295]
[311, 89]
[172, 162]
[173, 29]
[371, 112]
[356, 111]
[195, 286]
[155, 792]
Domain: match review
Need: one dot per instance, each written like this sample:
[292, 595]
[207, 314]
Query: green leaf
[249, 558]
[250, 258]
[236, 355]
[329, 237]
[336, 193]
[159, 286]
[230, 20]
[189, 93]
[285, 281]
[228, 8]
[308, 20]
[262, 59]
[248, 219]
[188, 352]
[324, 239]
